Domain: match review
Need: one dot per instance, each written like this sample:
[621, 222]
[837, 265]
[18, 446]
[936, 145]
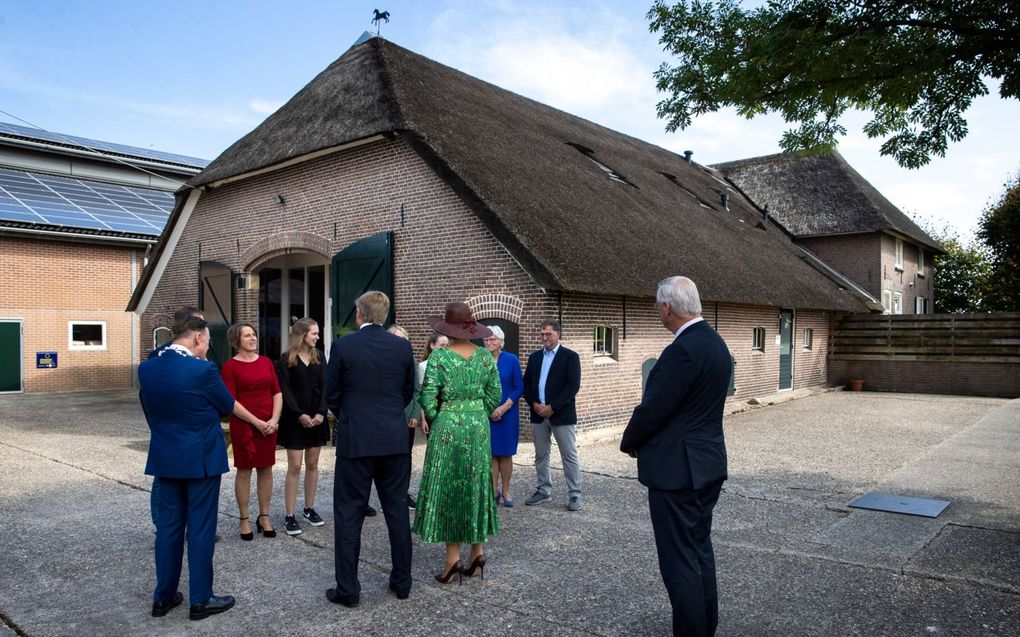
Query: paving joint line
[79, 468]
[13, 626]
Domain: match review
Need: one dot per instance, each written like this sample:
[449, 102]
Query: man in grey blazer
[676, 434]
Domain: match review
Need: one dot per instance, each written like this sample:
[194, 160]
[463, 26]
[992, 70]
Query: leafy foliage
[916, 65]
[961, 275]
[999, 229]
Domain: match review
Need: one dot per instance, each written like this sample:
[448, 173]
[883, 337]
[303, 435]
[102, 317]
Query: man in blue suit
[369, 381]
[183, 398]
[551, 382]
[676, 434]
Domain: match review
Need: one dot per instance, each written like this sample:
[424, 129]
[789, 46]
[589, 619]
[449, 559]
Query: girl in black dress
[303, 428]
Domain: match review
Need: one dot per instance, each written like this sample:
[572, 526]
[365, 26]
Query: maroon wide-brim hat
[459, 322]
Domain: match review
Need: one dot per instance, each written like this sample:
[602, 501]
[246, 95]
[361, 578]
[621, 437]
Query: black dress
[304, 392]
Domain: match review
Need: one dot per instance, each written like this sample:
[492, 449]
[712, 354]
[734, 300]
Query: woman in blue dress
[505, 420]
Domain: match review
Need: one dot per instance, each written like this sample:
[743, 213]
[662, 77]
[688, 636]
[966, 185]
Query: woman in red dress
[252, 381]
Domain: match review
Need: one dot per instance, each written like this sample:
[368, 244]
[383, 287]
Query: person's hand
[273, 424]
[317, 420]
[262, 426]
[412, 423]
[495, 415]
[425, 426]
[305, 421]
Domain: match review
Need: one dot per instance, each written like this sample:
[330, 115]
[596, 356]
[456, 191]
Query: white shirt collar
[551, 352]
[696, 319]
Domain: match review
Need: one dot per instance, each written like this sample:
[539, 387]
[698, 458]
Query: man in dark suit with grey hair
[677, 436]
[369, 381]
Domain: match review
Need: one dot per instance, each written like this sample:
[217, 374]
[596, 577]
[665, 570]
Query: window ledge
[920, 274]
[757, 352]
[603, 359]
[898, 268]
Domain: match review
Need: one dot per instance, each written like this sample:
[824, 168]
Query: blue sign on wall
[46, 359]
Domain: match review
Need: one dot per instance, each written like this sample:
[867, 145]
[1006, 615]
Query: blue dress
[506, 430]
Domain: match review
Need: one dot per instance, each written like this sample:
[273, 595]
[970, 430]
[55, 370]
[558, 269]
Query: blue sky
[192, 77]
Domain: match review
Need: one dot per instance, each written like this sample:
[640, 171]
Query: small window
[758, 339]
[897, 303]
[161, 336]
[920, 305]
[887, 301]
[604, 341]
[920, 261]
[809, 338]
[86, 335]
[899, 254]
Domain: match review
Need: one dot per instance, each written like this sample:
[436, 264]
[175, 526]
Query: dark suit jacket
[183, 398]
[369, 381]
[561, 386]
[677, 429]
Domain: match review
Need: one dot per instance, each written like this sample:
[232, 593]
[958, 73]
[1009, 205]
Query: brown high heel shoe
[457, 568]
[250, 535]
[476, 564]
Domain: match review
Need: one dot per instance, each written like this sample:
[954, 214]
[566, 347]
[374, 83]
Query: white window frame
[920, 261]
[887, 301]
[808, 339]
[899, 254]
[897, 303]
[155, 340]
[758, 339]
[72, 346]
[604, 344]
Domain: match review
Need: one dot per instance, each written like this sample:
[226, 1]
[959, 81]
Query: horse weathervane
[380, 16]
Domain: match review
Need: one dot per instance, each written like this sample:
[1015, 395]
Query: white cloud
[265, 107]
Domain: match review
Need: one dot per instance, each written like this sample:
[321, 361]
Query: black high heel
[249, 536]
[457, 568]
[264, 532]
[476, 564]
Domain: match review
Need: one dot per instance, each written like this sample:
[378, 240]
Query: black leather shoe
[337, 598]
[399, 593]
[162, 608]
[211, 607]
[369, 511]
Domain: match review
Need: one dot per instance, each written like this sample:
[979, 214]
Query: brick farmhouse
[391, 171]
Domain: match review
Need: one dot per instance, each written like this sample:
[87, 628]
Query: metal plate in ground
[900, 504]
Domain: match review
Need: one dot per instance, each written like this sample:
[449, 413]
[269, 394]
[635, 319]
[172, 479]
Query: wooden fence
[969, 354]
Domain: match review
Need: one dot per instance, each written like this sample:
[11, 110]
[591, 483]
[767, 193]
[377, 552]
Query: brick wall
[905, 280]
[930, 377]
[856, 256]
[442, 253]
[48, 283]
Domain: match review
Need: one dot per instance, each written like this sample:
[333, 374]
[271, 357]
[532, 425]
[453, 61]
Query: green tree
[916, 65]
[999, 229]
[961, 275]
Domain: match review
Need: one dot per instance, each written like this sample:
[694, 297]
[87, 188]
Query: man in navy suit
[551, 382]
[676, 434]
[183, 398]
[369, 381]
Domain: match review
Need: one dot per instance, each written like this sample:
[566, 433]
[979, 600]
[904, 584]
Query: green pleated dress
[456, 504]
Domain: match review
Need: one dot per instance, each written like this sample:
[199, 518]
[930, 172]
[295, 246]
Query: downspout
[134, 322]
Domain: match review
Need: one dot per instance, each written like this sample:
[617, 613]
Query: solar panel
[79, 142]
[81, 203]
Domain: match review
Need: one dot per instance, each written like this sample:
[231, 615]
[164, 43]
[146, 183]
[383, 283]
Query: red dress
[253, 385]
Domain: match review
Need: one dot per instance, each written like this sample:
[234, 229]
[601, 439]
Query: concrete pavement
[76, 541]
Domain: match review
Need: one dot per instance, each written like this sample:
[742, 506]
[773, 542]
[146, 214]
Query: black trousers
[682, 521]
[351, 488]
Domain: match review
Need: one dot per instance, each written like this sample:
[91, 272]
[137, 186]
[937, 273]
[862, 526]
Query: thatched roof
[820, 195]
[527, 171]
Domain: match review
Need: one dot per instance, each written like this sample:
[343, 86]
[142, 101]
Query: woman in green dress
[456, 504]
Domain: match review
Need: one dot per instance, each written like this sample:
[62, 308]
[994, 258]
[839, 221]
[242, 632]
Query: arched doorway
[291, 286]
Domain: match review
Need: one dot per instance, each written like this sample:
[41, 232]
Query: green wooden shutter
[362, 266]
[216, 300]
